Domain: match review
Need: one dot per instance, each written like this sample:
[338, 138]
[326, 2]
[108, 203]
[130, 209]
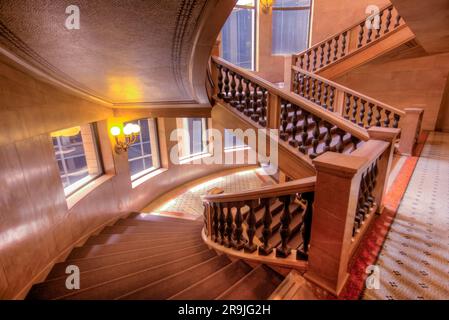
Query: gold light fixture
[266, 5]
[131, 132]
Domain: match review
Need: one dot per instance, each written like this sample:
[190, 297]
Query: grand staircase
[142, 257]
[342, 140]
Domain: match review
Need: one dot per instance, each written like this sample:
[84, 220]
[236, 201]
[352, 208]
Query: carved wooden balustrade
[356, 107]
[270, 224]
[304, 127]
[350, 40]
[314, 224]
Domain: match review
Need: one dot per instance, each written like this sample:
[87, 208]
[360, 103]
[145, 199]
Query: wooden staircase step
[101, 261]
[143, 223]
[256, 285]
[168, 287]
[157, 218]
[157, 230]
[100, 250]
[216, 283]
[130, 237]
[55, 288]
[133, 282]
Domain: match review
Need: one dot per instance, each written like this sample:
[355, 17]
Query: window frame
[309, 27]
[154, 147]
[254, 33]
[73, 188]
[182, 123]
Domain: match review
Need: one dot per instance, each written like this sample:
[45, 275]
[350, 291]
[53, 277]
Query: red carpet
[374, 239]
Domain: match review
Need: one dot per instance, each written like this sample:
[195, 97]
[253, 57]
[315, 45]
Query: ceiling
[125, 52]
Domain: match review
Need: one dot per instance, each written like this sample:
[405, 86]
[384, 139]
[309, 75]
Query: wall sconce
[266, 5]
[131, 132]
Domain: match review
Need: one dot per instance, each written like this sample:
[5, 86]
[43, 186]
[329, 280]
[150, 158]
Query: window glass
[291, 19]
[238, 35]
[143, 155]
[193, 136]
[231, 141]
[77, 156]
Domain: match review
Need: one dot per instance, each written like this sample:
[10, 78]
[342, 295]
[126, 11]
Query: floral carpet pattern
[414, 259]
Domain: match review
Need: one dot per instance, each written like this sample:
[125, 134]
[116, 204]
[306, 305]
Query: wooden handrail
[355, 25]
[287, 188]
[334, 119]
[350, 91]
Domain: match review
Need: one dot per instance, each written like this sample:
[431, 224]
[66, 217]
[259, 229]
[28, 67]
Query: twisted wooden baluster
[398, 21]
[238, 231]
[362, 113]
[229, 226]
[341, 144]
[325, 96]
[331, 99]
[284, 121]
[343, 44]
[322, 55]
[396, 118]
[247, 110]
[361, 32]
[233, 90]
[304, 135]
[215, 221]
[388, 21]
[240, 94]
[370, 31]
[251, 230]
[307, 92]
[263, 108]
[336, 47]
[222, 220]
[378, 116]
[318, 94]
[328, 137]
[347, 106]
[315, 56]
[380, 25]
[301, 85]
[308, 60]
[301, 63]
[220, 81]
[316, 136]
[312, 98]
[266, 249]
[293, 142]
[370, 115]
[306, 227]
[284, 250]
[255, 114]
[329, 50]
[387, 118]
[226, 86]
[354, 109]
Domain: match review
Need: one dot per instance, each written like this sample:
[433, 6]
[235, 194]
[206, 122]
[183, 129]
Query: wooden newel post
[411, 127]
[384, 163]
[336, 196]
[288, 74]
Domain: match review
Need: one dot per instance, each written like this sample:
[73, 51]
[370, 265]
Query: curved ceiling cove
[124, 52]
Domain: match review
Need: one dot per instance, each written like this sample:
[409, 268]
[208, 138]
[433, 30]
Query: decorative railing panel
[342, 44]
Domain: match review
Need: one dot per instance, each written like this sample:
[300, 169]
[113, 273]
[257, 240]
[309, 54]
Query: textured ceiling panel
[125, 51]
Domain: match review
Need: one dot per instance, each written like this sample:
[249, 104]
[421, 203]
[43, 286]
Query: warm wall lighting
[266, 5]
[131, 132]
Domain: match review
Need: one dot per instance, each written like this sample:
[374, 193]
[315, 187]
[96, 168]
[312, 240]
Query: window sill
[145, 178]
[76, 197]
[192, 158]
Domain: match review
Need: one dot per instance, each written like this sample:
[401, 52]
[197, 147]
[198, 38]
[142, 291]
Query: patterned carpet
[414, 260]
[189, 203]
